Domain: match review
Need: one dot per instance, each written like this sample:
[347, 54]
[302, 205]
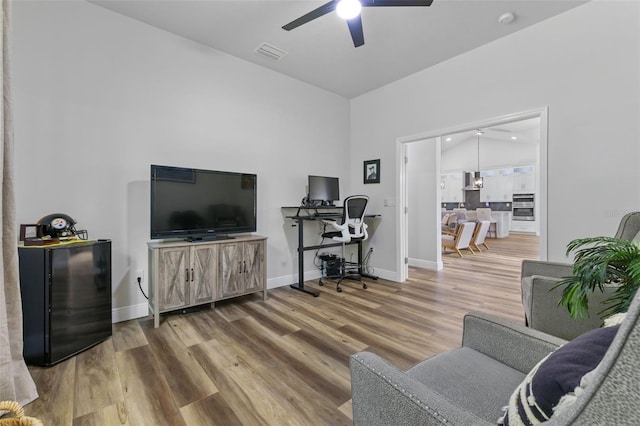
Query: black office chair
[352, 228]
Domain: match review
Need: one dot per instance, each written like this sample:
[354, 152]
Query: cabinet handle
[245, 266]
[186, 275]
[191, 274]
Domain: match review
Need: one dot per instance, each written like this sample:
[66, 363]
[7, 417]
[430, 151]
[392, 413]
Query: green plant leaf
[599, 261]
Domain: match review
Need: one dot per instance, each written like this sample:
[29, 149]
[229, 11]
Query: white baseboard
[385, 275]
[426, 264]
[314, 275]
[291, 279]
[129, 312]
[142, 310]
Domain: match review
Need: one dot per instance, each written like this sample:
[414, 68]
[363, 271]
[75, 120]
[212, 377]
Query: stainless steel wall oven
[523, 207]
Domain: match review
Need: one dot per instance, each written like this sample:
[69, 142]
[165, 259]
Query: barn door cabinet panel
[203, 267]
[185, 274]
[241, 268]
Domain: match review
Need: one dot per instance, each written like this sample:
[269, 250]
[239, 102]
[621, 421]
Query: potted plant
[599, 261]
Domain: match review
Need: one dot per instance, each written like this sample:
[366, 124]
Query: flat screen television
[199, 204]
[324, 189]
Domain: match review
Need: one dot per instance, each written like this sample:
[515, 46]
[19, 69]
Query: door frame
[541, 201]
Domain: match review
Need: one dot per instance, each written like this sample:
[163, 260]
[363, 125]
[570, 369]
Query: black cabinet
[66, 299]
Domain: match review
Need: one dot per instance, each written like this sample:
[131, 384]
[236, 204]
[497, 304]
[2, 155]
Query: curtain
[16, 383]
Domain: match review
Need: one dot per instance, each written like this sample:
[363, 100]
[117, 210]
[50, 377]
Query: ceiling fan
[349, 10]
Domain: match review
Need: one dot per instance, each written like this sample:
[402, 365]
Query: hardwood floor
[283, 361]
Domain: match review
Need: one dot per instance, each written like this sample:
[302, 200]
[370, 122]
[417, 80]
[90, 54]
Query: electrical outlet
[140, 274]
[370, 249]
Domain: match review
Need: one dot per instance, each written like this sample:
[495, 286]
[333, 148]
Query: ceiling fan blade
[316, 13]
[355, 28]
[381, 3]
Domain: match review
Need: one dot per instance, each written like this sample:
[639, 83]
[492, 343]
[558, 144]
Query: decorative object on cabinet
[372, 171]
[187, 274]
[62, 227]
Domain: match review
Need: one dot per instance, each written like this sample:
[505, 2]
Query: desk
[313, 214]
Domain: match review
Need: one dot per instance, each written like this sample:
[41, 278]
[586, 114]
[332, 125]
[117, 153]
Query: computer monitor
[324, 189]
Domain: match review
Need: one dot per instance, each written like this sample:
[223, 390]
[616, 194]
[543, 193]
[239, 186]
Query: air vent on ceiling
[270, 52]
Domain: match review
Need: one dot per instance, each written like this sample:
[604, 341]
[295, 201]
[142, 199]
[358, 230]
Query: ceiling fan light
[348, 9]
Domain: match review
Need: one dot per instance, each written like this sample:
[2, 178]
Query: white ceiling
[516, 132]
[399, 41]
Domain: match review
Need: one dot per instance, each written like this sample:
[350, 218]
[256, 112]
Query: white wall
[99, 97]
[583, 65]
[423, 183]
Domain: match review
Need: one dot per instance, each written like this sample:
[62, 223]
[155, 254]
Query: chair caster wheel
[320, 283]
[339, 289]
[364, 286]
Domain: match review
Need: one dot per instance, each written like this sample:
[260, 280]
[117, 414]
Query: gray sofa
[540, 300]
[470, 385]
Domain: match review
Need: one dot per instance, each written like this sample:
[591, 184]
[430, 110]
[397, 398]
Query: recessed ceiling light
[448, 139]
[514, 137]
[506, 18]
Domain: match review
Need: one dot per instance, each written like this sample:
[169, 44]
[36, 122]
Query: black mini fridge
[66, 299]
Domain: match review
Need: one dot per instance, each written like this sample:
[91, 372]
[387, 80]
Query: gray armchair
[466, 386]
[629, 226]
[540, 301]
[470, 385]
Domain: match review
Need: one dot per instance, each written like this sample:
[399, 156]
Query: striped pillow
[556, 376]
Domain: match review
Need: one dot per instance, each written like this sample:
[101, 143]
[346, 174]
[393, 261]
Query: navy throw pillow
[555, 376]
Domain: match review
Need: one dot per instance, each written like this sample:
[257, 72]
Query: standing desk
[305, 214]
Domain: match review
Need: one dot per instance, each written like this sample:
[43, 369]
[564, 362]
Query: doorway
[434, 140]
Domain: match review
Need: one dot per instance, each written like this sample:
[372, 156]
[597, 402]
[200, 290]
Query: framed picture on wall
[372, 171]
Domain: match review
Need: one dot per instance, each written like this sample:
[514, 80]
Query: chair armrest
[384, 395]
[546, 269]
[331, 222]
[343, 228]
[512, 344]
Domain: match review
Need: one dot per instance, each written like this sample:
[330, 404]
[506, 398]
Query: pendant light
[477, 179]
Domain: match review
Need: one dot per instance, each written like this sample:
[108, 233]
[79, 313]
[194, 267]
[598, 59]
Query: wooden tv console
[185, 274]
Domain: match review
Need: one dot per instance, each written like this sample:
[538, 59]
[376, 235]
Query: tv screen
[323, 188]
[196, 204]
